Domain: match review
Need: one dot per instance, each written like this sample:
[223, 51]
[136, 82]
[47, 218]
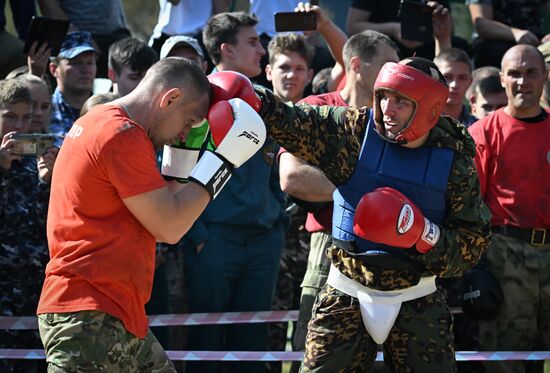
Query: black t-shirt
[385, 10]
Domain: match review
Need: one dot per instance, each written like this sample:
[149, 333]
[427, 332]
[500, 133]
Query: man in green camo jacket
[337, 340]
[404, 146]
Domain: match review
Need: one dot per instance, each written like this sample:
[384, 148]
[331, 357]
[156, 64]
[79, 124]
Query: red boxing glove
[386, 216]
[230, 84]
[238, 133]
[237, 130]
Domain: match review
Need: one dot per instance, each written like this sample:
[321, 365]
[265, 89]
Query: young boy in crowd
[486, 93]
[24, 191]
[129, 60]
[456, 67]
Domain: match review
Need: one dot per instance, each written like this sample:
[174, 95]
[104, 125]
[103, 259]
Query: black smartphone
[33, 143]
[46, 30]
[416, 21]
[295, 21]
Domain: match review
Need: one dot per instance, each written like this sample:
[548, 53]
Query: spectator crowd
[459, 135]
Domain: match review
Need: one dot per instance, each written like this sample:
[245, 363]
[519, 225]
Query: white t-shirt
[188, 17]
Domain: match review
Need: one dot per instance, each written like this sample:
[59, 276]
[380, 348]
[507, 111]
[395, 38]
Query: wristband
[429, 237]
[178, 162]
[212, 172]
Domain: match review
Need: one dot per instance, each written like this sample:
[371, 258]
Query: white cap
[171, 42]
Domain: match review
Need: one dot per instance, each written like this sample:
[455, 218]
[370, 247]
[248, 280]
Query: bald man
[513, 163]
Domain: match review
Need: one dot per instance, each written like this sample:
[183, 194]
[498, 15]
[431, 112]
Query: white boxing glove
[238, 132]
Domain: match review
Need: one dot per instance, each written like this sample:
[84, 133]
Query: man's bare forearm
[304, 181]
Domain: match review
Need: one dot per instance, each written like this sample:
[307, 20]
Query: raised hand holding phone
[416, 21]
[46, 30]
[38, 58]
[321, 18]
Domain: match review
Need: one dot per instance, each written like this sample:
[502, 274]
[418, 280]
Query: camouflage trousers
[92, 341]
[523, 320]
[421, 339]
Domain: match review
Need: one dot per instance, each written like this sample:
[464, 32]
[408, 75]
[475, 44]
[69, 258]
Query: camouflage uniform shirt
[331, 138]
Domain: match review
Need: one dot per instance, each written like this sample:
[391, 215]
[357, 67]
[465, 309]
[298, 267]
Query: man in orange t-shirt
[109, 205]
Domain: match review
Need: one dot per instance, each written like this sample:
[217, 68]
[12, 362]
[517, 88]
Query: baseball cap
[75, 43]
[171, 42]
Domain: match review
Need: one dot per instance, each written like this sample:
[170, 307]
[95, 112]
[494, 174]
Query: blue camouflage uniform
[63, 115]
[23, 254]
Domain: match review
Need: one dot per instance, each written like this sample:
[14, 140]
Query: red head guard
[425, 90]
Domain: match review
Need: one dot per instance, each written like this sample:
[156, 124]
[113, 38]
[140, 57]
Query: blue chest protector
[421, 174]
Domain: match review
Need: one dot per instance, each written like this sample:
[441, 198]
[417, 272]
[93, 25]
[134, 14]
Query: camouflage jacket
[23, 245]
[331, 138]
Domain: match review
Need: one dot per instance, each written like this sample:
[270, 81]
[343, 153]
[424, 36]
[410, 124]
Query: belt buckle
[534, 234]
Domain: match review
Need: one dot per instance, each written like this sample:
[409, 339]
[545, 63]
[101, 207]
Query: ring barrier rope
[187, 319]
[291, 355]
[225, 318]
[18, 323]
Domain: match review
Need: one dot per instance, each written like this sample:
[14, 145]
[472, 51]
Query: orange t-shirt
[322, 220]
[513, 165]
[101, 257]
